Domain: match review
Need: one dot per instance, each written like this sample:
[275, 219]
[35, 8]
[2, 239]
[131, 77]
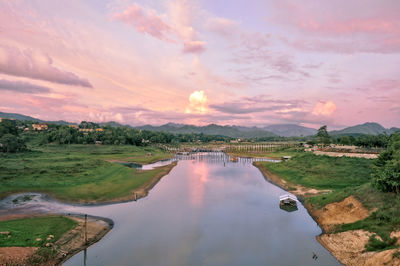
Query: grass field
[26, 232]
[77, 172]
[264, 154]
[323, 172]
[344, 176]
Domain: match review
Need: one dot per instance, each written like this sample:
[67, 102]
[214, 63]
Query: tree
[8, 127]
[11, 143]
[323, 135]
[386, 169]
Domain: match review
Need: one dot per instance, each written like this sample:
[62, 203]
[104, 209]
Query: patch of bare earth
[349, 210]
[15, 255]
[74, 241]
[348, 247]
[347, 154]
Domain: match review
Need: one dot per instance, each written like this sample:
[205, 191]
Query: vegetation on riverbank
[277, 154]
[47, 240]
[343, 176]
[78, 173]
[34, 231]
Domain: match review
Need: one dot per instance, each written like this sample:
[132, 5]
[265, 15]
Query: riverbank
[333, 201]
[54, 238]
[79, 173]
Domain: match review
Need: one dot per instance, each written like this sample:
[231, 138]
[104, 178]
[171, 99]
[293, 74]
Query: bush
[386, 174]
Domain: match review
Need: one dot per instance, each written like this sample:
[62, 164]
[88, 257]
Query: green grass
[25, 232]
[77, 172]
[323, 172]
[278, 154]
[345, 176]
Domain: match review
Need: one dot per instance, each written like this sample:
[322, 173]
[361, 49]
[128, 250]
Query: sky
[239, 62]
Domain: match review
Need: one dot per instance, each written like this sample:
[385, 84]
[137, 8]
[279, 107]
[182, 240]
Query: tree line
[13, 137]
[366, 141]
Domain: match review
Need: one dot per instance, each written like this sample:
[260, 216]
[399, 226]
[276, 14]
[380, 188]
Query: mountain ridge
[283, 130]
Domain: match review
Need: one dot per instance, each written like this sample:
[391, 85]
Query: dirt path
[15, 255]
[347, 154]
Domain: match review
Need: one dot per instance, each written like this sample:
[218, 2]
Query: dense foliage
[386, 173]
[10, 140]
[368, 141]
[118, 135]
[14, 134]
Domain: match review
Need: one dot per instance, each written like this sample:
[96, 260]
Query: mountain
[392, 130]
[283, 130]
[290, 130]
[212, 129]
[29, 118]
[366, 128]
[18, 117]
[113, 124]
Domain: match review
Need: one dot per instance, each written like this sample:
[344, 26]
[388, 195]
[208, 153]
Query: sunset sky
[239, 62]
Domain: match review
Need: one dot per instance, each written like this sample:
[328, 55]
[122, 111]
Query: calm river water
[206, 211]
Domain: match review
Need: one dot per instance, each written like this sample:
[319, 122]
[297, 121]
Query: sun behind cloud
[324, 108]
[198, 103]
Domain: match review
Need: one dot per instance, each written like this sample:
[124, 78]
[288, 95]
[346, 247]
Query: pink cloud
[365, 26]
[222, 26]
[324, 108]
[195, 47]
[144, 21]
[34, 65]
[178, 29]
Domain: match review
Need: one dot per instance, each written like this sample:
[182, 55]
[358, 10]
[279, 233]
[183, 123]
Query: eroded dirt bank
[348, 247]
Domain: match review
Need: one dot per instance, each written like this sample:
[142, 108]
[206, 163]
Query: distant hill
[283, 130]
[290, 130]
[212, 129]
[366, 128]
[29, 118]
[392, 130]
[19, 117]
[113, 124]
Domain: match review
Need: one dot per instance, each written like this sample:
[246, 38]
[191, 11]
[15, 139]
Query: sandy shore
[348, 247]
[68, 245]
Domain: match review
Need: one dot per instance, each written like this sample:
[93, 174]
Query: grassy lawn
[323, 172]
[344, 176]
[77, 172]
[25, 232]
[278, 154]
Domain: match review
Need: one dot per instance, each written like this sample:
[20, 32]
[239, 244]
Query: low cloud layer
[31, 64]
[22, 87]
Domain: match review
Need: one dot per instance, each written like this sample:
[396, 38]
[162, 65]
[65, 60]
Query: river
[206, 211]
